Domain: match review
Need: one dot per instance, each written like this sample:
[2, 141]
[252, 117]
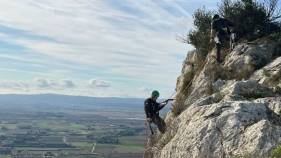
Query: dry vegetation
[225, 73]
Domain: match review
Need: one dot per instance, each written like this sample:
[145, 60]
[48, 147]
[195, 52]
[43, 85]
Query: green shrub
[189, 63]
[126, 133]
[276, 152]
[277, 90]
[178, 105]
[225, 73]
[274, 79]
[279, 114]
[265, 72]
[209, 88]
[244, 73]
[245, 154]
[164, 140]
[187, 79]
[261, 21]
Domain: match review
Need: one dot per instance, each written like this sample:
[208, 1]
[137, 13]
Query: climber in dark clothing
[152, 108]
[220, 30]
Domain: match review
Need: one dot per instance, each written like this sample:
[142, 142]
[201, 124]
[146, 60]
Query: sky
[101, 48]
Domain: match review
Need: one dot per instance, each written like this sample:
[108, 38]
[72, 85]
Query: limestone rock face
[263, 75]
[188, 65]
[224, 129]
[247, 55]
[274, 103]
[223, 118]
[246, 90]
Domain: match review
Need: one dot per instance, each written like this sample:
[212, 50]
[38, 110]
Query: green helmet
[215, 16]
[155, 93]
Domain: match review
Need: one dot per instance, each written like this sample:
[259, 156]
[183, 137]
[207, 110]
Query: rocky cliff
[224, 110]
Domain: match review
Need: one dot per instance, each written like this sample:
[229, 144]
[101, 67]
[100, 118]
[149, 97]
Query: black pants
[219, 45]
[160, 123]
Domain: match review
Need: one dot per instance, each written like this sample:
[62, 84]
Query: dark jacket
[222, 26]
[151, 107]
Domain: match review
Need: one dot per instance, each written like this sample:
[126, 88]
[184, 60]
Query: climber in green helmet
[221, 29]
[152, 108]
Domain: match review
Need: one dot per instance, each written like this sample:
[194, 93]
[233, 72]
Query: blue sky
[106, 48]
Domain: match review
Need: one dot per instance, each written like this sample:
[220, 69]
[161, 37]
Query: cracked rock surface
[223, 129]
[238, 117]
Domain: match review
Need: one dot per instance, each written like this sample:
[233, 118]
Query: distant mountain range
[64, 100]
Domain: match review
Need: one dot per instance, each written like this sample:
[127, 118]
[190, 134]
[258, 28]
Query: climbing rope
[277, 51]
[199, 70]
[204, 63]
[196, 74]
[145, 145]
[144, 153]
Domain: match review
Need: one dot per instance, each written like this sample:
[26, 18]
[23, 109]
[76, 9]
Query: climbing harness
[156, 114]
[232, 41]
[204, 63]
[217, 41]
[151, 130]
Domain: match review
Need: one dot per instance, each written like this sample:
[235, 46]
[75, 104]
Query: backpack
[224, 29]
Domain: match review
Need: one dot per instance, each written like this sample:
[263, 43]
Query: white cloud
[95, 82]
[19, 85]
[38, 83]
[69, 87]
[67, 83]
[133, 40]
[145, 89]
[44, 83]
[90, 36]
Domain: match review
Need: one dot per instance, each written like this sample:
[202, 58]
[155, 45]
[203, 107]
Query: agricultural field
[72, 133]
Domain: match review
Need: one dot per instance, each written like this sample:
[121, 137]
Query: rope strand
[204, 63]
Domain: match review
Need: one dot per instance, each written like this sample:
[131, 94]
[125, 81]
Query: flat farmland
[112, 134]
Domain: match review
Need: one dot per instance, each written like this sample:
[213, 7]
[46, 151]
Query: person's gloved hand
[164, 103]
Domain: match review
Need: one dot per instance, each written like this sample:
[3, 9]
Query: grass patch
[209, 88]
[137, 138]
[83, 132]
[244, 73]
[276, 152]
[244, 155]
[189, 63]
[107, 145]
[279, 114]
[43, 149]
[132, 144]
[266, 72]
[274, 79]
[225, 73]
[277, 90]
[126, 149]
[82, 144]
[48, 124]
[178, 105]
[52, 138]
[187, 79]
[77, 126]
[121, 145]
[9, 126]
[164, 141]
